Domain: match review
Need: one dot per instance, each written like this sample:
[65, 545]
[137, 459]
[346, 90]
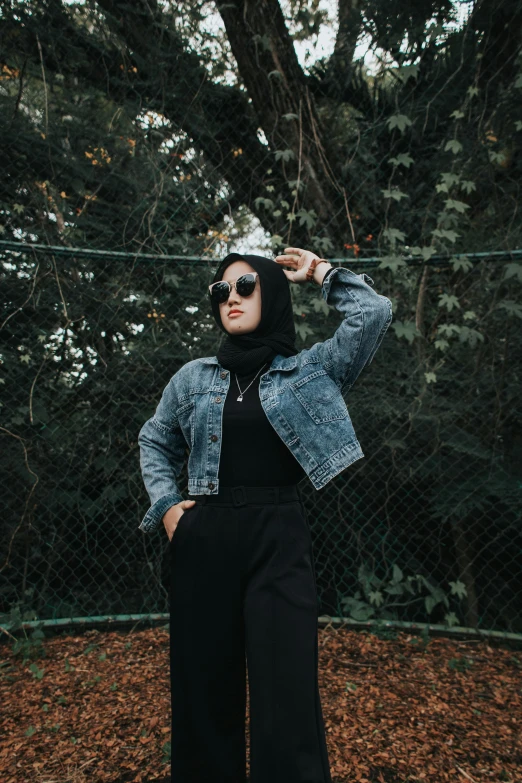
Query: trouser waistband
[242, 496]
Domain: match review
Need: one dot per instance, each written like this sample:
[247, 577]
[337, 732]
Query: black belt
[241, 495]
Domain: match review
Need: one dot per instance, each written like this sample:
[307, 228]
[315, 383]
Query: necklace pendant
[240, 398]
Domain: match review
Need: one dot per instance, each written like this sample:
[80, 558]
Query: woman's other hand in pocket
[174, 514]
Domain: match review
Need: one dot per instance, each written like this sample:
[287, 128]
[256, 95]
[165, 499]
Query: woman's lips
[234, 313]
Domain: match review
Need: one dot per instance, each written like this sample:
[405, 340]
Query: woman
[256, 418]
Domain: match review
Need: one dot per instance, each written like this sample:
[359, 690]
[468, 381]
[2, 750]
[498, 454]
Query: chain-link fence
[425, 528]
[140, 142]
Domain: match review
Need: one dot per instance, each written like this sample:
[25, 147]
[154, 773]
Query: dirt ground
[95, 707]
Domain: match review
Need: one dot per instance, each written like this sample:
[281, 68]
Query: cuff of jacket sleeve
[341, 270]
[154, 515]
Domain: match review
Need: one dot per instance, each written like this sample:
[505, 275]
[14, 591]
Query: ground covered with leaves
[95, 707]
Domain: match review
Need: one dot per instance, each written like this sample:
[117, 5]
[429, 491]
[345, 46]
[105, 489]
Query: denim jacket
[302, 396]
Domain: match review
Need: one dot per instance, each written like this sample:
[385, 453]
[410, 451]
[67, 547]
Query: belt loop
[239, 497]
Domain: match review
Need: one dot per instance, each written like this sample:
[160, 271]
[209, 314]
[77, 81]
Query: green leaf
[451, 619]
[419, 251]
[513, 270]
[461, 263]
[430, 377]
[284, 155]
[394, 193]
[307, 218]
[173, 279]
[459, 206]
[470, 336]
[362, 614]
[392, 262]
[276, 240]
[430, 603]
[290, 116]
[376, 598]
[400, 121]
[427, 252]
[267, 203]
[303, 330]
[450, 178]
[511, 307]
[458, 588]
[453, 145]
[406, 329]
[323, 244]
[407, 71]
[36, 672]
[393, 234]
[468, 185]
[448, 329]
[402, 160]
[449, 301]
[445, 234]
[320, 306]
[394, 589]
[458, 114]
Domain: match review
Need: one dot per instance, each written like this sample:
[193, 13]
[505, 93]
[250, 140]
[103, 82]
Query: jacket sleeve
[162, 454]
[366, 317]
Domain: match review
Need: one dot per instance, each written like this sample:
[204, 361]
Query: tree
[139, 127]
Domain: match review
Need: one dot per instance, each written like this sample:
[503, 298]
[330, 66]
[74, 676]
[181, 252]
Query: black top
[252, 453]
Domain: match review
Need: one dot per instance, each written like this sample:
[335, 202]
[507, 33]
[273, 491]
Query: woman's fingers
[286, 261]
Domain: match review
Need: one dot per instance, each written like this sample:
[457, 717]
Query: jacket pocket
[185, 417]
[320, 397]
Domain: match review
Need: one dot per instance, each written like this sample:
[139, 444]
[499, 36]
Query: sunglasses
[244, 285]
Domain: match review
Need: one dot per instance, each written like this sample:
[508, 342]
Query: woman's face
[250, 306]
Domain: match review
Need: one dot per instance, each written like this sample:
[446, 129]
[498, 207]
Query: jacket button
[223, 375]
[213, 437]
[211, 485]
[218, 399]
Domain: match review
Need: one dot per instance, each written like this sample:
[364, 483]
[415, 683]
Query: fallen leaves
[394, 710]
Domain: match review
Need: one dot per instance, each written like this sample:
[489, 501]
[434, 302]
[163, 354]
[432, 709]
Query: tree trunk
[277, 86]
[465, 556]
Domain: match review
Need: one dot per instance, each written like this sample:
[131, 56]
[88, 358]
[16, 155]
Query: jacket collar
[279, 362]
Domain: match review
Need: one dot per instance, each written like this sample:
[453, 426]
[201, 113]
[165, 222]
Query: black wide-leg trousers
[243, 598]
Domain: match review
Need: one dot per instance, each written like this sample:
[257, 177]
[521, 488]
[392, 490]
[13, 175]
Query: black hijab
[275, 333]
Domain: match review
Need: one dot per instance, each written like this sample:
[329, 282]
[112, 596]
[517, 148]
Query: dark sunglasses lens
[220, 291]
[245, 284]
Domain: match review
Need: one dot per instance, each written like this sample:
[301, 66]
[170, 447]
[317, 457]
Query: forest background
[142, 141]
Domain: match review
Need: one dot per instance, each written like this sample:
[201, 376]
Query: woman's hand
[300, 260]
[174, 514]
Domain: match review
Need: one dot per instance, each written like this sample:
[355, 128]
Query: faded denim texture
[302, 397]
